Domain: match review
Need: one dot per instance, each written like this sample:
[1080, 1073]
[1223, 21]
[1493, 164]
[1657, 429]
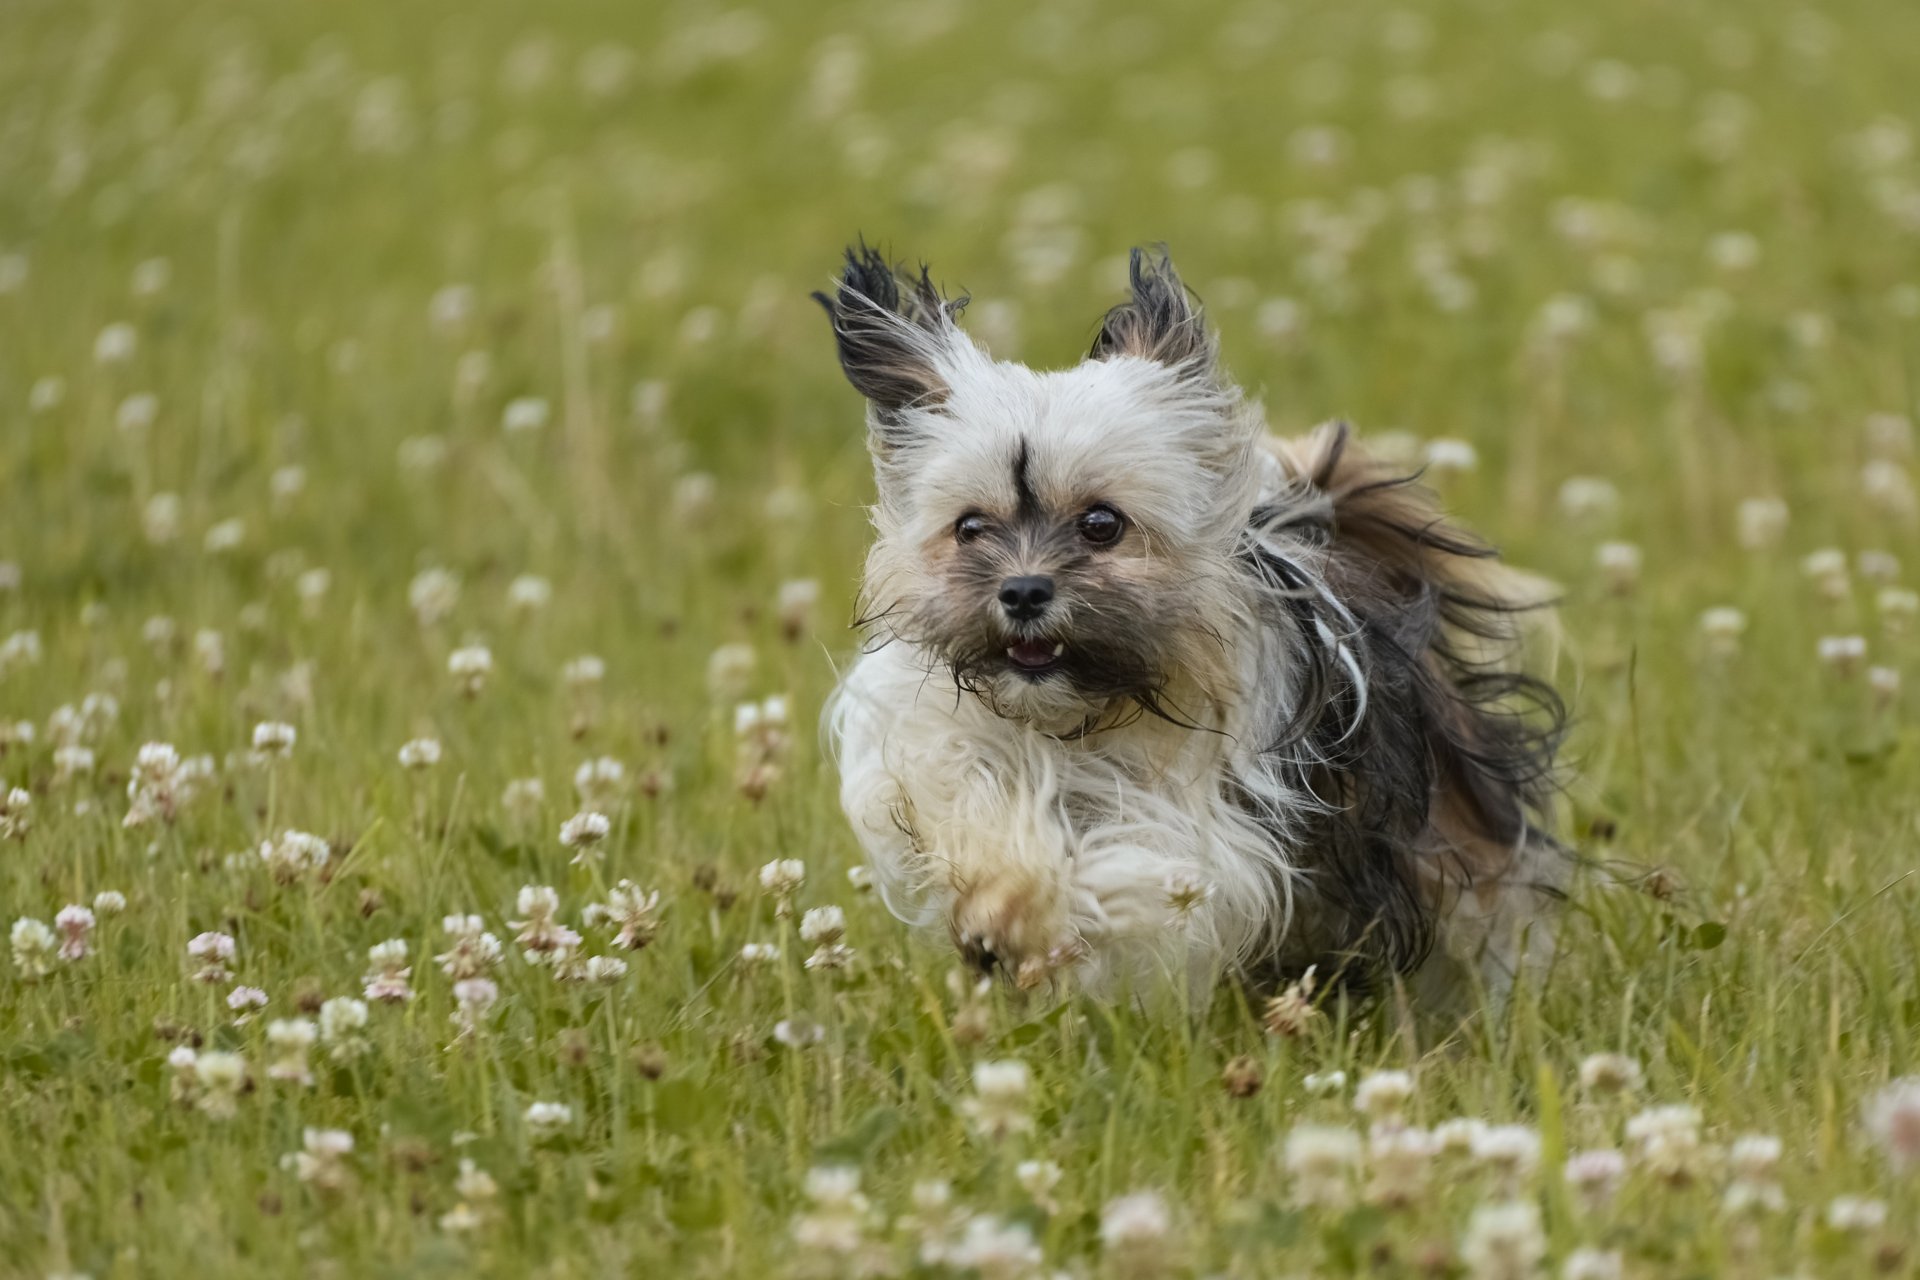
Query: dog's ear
[1161, 321]
[895, 332]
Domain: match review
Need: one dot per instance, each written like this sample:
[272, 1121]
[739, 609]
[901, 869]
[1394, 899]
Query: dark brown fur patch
[888, 324]
[1161, 321]
[1441, 782]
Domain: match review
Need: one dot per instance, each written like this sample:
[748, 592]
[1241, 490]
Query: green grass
[644, 194]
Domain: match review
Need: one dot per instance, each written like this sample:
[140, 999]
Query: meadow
[430, 518]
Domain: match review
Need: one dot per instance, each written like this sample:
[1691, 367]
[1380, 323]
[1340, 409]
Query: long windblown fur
[1271, 714]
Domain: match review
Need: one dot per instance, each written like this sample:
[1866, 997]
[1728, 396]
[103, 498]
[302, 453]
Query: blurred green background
[369, 290]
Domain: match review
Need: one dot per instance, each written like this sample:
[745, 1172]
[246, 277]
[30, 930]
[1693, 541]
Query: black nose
[1026, 598]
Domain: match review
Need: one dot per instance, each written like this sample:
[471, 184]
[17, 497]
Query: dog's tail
[1436, 751]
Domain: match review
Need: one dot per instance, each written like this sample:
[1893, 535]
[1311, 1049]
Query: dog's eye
[969, 526]
[1102, 525]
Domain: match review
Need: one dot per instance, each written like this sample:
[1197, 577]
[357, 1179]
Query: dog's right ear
[895, 333]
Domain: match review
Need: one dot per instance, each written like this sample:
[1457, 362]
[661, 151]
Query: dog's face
[1060, 541]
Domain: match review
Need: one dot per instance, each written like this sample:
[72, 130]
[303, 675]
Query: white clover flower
[995, 1247]
[1320, 1162]
[583, 671]
[1451, 457]
[46, 394]
[219, 1078]
[451, 306]
[729, 670]
[1001, 1092]
[1842, 654]
[1324, 1084]
[599, 782]
[35, 948]
[1610, 1073]
[274, 738]
[312, 586]
[342, 1019]
[75, 925]
[388, 974]
[1589, 499]
[15, 818]
[137, 412]
[1856, 1215]
[1892, 1119]
[1510, 1151]
[1878, 566]
[1593, 1264]
[584, 832]
[1619, 565]
[755, 954]
[1733, 251]
[160, 783]
[523, 797]
[471, 951]
[287, 483]
[211, 649]
[836, 1223]
[225, 536]
[823, 926]
[246, 1001]
[419, 754]
[1038, 1178]
[524, 414]
[540, 930]
[1668, 1143]
[470, 666]
[295, 854]
[21, 649]
[115, 344]
[783, 876]
[474, 999]
[798, 1032]
[321, 1161]
[1135, 1232]
[109, 902]
[1504, 1241]
[632, 909]
[433, 595]
[1384, 1095]
[860, 878]
[795, 604]
[1400, 1159]
[529, 593]
[70, 762]
[160, 518]
[1722, 628]
[546, 1121]
[290, 1040]
[214, 952]
[1563, 316]
[604, 969]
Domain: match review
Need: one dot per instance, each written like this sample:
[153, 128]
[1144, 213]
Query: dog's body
[1148, 686]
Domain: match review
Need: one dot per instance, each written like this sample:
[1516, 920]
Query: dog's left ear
[895, 333]
[1161, 321]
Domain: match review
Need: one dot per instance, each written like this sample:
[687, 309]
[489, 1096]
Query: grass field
[341, 342]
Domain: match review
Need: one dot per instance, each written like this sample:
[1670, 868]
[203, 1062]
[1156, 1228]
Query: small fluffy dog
[1149, 688]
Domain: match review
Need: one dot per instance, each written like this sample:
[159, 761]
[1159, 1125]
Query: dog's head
[1060, 541]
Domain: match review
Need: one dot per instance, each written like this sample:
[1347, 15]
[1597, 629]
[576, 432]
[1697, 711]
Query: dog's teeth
[1059, 649]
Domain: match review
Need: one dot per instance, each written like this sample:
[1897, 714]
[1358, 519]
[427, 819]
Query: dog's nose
[1027, 598]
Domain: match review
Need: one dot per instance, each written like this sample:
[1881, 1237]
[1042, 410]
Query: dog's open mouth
[1035, 656]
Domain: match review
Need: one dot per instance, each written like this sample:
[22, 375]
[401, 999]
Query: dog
[1145, 688]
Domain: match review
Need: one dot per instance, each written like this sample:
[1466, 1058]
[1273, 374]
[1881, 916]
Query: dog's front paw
[1014, 924]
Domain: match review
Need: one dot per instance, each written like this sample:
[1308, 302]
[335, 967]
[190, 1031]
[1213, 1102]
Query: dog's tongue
[1033, 653]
